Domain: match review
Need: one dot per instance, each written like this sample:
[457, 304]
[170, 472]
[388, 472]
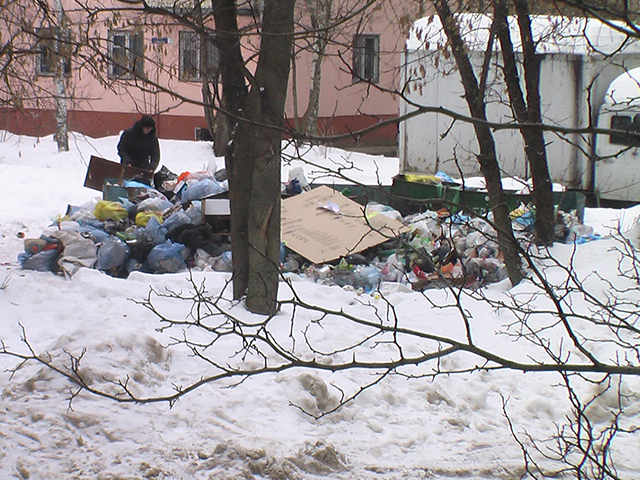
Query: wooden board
[101, 169]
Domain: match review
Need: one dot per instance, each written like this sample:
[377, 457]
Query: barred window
[126, 49]
[49, 46]
[366, 58]
[198, 59]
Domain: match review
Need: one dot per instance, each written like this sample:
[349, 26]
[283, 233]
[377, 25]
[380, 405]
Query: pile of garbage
[439, 249]
[163, 231]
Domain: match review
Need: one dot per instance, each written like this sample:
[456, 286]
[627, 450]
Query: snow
[554, 34]
[447, 426]
[625, 89]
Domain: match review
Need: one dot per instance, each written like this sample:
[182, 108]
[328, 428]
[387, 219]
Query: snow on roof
[625, 89]
[554, 34]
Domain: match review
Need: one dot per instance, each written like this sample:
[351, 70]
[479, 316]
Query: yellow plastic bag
[106, 210]
[428, 179]
[142, 218]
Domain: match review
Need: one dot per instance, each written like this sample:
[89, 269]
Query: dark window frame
[47, 47]
[628, 124]
[366, 58]
[126, 54]
[197, 63]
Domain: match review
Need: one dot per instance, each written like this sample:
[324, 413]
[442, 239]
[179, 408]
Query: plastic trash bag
[153, 232]
[97, 235]
[112, 254]
[194, 212]
[142, 218]
[176, 219]
[201, 189]
[78, 251]
[167, 258]
[157, 204]
[44, 261]
[106, 210]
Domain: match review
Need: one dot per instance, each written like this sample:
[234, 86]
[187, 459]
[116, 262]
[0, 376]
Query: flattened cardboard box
[321, 235]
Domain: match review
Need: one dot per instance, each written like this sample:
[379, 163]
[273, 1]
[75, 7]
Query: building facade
[118, 64]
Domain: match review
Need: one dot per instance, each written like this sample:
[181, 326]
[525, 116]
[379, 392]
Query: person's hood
[145, 121]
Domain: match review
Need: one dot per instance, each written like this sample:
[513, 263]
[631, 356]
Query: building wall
[98, 109]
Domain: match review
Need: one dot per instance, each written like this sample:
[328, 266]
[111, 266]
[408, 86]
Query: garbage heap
[159, 231]
[438, 249]
[166, 232]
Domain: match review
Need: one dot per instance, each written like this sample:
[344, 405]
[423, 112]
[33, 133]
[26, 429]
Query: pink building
[359, 74]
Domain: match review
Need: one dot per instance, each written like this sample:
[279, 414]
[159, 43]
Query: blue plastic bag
[202, 189]
[45, 261]
[153, 232]
[167, 258]
[112, 254]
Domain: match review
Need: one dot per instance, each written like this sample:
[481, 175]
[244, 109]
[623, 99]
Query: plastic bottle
[367, 277]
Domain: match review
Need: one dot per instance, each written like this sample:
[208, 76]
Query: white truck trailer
[587, 78]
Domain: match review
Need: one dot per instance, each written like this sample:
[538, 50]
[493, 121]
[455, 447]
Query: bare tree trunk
[253, 162]
[269, 96]
[528, 112]
[232, 74]
[535, 147]
[487, 157]
[208, 99]
[320, 15]
[62, 125]
[234, 93]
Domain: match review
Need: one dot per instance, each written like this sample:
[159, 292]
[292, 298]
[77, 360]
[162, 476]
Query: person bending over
[139, 146]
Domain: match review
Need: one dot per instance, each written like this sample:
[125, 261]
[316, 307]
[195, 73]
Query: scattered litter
[326, 237]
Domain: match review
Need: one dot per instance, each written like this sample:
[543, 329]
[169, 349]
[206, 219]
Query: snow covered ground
[450, 426]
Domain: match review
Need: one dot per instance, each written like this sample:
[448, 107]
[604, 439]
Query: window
[250, 7]
[47, 48]
[126, 53]
[197, 62]
[624, 122]
[366, 58]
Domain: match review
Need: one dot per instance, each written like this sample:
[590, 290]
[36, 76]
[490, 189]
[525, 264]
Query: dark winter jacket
[139, 149]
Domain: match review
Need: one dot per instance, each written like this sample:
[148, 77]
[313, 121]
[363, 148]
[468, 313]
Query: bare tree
[383, 342]
[37, 36]
[475, 98]
[321, 20]
[529, 111]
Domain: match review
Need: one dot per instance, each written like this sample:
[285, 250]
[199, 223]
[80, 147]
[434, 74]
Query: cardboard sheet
[323, 225]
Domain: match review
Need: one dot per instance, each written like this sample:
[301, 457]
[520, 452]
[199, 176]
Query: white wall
[572, 86]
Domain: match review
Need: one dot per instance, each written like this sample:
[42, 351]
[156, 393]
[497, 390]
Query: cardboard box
[323, 225]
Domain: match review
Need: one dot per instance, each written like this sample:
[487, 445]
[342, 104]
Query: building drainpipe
[575, 172]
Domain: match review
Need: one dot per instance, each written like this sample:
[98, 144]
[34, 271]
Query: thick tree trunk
[232, 74]
[253, 124]
[535, 147]
[234, 96]
[487, 158]
[269, 95]
[528, 112]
